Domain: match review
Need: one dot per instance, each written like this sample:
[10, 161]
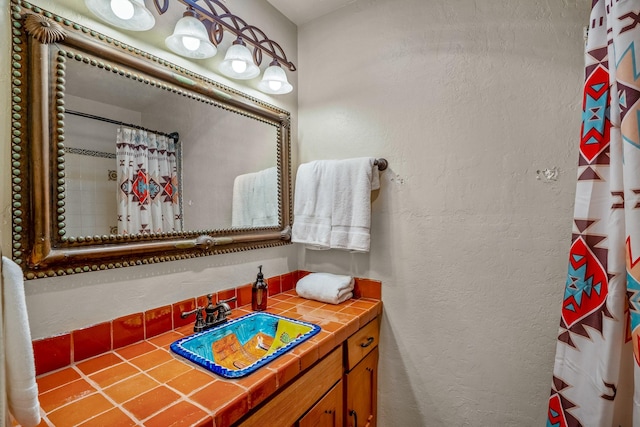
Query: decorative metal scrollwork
[217, 18]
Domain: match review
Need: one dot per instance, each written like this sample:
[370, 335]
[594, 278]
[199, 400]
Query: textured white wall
[466, 99]
[62, 304]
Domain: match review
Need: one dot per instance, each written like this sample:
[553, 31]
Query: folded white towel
[20, 387]
[326, 287]
[351, 212]
[332, 204]
[312, 204]
[255, 199]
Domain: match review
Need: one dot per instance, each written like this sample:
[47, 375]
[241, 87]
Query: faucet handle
[184, 314]
[226, 301]
[200, 324]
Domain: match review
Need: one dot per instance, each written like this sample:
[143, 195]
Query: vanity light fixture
[238, 62]
[190, 37]
[274, 80]
[127, 14]
[200, 31]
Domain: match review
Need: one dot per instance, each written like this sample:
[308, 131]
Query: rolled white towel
[326, 287]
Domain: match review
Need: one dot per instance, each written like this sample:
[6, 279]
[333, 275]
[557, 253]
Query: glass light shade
[238, 63]
[190, 38]
[123, 9]
[127, 14]
[274, 80]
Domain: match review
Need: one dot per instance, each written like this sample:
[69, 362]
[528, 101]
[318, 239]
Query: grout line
[100, 390]
[186, 397]
[44, 417]
[175, 402]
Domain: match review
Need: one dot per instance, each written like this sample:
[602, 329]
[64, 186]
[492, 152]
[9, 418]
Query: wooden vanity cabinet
[289, 405]
[353, 401]
[361, 377]
[332, 393]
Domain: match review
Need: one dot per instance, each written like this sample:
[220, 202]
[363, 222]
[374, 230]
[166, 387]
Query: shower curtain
[148, 199]
[598, 354]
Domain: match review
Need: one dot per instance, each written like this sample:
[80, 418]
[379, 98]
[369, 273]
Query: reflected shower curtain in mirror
[598, 350]
[148, 199]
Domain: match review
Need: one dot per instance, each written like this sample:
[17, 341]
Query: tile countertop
[147, 384]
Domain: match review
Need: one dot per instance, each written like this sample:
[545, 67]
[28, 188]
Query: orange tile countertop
[147, 384]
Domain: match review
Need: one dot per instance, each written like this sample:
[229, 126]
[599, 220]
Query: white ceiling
[302, 11]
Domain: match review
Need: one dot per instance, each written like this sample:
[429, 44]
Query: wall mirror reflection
[122, 158]
[141, 159]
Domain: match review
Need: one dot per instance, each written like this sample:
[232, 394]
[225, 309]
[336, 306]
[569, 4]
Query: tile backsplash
[61, 350]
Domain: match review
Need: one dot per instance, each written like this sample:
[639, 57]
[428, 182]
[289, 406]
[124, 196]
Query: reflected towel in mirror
[19, 388]
[255, 199]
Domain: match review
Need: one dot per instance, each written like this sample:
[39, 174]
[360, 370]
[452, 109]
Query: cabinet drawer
[291, 403]
[362, 342]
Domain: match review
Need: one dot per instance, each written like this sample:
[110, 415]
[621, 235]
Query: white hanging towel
[20, 391]
[326, 287]
[351, 213]
[332, 204]
[255, 199]
[312, 205]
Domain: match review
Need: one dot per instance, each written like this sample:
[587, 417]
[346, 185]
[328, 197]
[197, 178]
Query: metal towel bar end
[381, 163]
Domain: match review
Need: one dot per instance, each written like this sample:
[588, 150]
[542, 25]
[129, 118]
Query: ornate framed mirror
[122, 158]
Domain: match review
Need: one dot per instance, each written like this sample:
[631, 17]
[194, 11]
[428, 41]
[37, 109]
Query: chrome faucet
[215, 314]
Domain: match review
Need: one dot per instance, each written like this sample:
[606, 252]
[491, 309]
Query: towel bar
[381, 163]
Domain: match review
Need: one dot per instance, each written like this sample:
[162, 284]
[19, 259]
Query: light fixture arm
[218, 22]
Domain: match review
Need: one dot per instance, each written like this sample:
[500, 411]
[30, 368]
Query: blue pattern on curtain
[600, 320]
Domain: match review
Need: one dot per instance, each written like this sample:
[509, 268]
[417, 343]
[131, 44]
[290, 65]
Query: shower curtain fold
[600, 314]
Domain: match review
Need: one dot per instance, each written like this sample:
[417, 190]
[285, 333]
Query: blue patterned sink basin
[243, 345]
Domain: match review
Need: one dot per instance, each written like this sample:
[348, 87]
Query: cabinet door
[327, 412]
[361, 388]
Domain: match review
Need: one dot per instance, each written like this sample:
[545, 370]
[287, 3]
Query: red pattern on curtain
[601, 304]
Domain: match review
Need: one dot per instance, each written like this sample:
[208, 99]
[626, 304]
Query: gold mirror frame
[39, 242]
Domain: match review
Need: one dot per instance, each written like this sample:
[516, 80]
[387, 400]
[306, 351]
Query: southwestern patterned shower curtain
[600, 320]
[148, 199]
